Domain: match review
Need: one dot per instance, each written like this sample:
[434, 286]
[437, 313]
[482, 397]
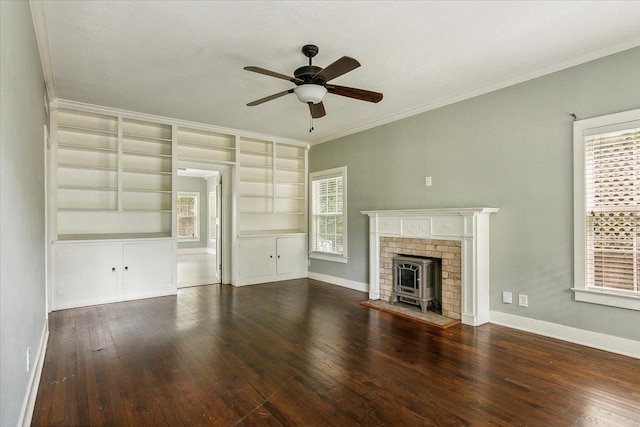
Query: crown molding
[594, 55]
[42, 38]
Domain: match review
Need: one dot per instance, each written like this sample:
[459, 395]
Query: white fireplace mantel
[470, 226]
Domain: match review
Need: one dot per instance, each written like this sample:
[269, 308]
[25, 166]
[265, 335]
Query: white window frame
[197, 222]
[325, 174]
[581, 128]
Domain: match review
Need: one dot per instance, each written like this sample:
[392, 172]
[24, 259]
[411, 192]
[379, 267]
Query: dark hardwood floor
[305, 353]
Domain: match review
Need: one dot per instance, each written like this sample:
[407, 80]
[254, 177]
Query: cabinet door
[86, 275]
[292, 255]
[148, 269]
[257, 256]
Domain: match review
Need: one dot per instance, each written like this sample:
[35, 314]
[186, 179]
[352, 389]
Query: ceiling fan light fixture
[310, 93]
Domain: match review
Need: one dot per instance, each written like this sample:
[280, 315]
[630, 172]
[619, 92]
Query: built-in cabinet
[272, 194]
[113, 202]
[98, 272]
[270, 258]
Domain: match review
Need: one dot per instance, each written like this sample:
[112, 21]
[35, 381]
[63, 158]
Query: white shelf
[198, 145]
[143, 154]
[207, 161]
[144, 138]
[111, 236]
[144, 190]
[87, 148]
[145, 171]
[85, 188]
[87, 167]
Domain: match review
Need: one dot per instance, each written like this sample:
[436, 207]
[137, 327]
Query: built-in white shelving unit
[113, 176]
[271, 188]
[112, 202]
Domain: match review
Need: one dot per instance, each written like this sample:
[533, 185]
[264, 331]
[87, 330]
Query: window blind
[612, 204]
[327, 227]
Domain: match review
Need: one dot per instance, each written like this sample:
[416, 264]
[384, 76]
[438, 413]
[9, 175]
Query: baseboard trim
[345, 283]
[623, 346]
[186, 251]
[34, 380]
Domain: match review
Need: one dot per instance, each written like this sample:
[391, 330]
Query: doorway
[199, 227]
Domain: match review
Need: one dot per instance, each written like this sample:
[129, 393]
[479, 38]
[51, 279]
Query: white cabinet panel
[148, 267]
[86, 274]
[98, 273]
[257, 256]
[292, 255]
[269, 258]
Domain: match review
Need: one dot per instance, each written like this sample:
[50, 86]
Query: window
[607, 210]
[328, 234]
[188, 221]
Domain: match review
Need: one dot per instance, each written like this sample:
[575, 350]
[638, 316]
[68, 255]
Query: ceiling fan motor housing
[306, 73]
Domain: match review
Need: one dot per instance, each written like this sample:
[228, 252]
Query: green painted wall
[510, 149]
[22, 207]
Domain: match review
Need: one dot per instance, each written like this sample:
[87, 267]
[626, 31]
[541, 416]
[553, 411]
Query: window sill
[608, 297]
[329, 257]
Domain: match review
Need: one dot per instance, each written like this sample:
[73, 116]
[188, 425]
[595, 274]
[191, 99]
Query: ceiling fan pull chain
[310, 123]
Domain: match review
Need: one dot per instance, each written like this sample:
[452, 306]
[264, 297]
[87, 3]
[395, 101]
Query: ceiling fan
[312, 83]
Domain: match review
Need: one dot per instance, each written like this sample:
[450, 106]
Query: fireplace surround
[468, 226]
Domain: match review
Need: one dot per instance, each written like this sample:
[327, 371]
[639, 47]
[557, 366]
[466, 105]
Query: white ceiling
[184, 59]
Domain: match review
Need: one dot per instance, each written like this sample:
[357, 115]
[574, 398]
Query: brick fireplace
[460, 237]
[447, 250]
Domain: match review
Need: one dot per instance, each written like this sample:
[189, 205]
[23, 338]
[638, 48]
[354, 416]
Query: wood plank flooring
[306, 353]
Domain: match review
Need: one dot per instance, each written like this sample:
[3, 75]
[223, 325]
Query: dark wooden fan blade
[269, 98]
[317, 110]
[272, 74]
[351, 92]
[338, 68]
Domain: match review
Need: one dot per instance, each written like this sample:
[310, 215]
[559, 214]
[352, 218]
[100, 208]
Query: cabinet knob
[113, 269]
[126, 268]
[278, 256]
[270, 256]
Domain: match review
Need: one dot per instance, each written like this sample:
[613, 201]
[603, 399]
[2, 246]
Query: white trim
[189, 251]
[628, 44]
[42, 39]
[29, 403]
[339, 281]
[211, 251]
[329, 257]
[607, 297]
[623, 346]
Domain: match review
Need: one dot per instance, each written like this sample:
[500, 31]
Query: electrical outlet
[507, 297]
[523, 300]
[28, 359]
[427, 181]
